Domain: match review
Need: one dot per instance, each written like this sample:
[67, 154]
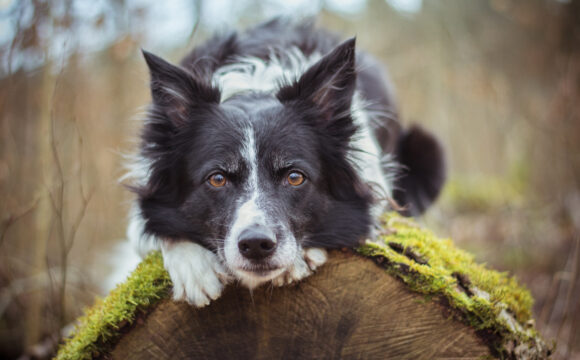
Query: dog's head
[259, 176]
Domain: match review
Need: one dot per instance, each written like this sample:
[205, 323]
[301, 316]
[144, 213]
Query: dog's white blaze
[250, 154]
[248, 214]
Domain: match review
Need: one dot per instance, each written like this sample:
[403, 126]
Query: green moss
[103, 323]
[491, 302]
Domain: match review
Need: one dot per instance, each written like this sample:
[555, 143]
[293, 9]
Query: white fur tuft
[254, 74]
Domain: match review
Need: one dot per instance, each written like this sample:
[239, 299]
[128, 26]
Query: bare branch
[12, 218]
[80, 216]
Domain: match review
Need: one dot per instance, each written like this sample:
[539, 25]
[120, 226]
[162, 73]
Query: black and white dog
[264, 149]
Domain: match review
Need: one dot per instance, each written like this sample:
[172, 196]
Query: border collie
[263, 149]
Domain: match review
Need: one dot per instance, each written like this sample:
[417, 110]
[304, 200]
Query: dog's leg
[304, 264]
[197, 274]
[141, 242]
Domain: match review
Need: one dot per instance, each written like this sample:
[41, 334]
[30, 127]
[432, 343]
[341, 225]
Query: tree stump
[393, 299]
[351, 308]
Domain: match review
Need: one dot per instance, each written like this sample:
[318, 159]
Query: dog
[266, 148]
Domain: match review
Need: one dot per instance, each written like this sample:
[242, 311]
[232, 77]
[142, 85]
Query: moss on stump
[423, 297]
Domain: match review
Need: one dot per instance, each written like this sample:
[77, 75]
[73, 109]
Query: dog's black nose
[256, 243]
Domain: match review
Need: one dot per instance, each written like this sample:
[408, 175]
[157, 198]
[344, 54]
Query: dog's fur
[263, 149]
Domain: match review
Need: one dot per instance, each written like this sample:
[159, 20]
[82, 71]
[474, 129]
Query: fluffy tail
[423, 171]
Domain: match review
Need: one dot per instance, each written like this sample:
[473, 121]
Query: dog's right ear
[176, 91]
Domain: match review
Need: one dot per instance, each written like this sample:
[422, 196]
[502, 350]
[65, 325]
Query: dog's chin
[252, 278]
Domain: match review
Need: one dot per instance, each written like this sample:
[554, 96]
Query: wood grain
[350, 309]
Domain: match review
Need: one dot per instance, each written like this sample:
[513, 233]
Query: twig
[77, 222]
[12, 218]
[58, 203]
[86, 198]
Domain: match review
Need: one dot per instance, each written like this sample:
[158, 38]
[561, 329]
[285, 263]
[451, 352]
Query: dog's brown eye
[217, 180]
[295, 178]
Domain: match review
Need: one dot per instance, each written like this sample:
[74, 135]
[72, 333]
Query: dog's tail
[423, 171]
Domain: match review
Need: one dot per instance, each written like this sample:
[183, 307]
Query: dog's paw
[303, 266]
[197, 275]
[315, 257]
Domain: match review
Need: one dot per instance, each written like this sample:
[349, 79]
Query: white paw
[315, 257]
[303, 266]
[197, 274]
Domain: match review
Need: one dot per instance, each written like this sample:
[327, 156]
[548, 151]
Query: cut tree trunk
[351, 308]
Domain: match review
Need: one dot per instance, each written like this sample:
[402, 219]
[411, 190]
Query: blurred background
[498, 81]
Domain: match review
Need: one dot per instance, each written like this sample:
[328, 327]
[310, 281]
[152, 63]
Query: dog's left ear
[329, 84]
